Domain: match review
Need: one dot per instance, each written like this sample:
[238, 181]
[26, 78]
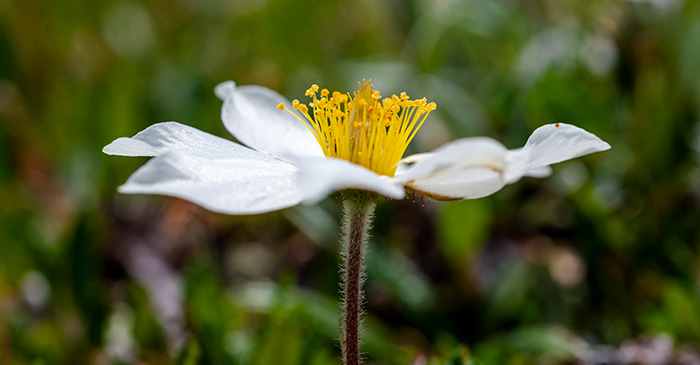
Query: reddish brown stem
[358, 210]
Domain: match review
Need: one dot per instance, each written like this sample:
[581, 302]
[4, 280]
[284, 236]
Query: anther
[312, 90]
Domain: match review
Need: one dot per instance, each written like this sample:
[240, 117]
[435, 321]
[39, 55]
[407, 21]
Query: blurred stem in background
[358, 210]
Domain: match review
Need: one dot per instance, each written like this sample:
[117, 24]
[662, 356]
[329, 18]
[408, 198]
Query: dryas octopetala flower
[300, 154]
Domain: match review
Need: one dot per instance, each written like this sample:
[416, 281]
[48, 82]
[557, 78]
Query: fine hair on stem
[358, 211]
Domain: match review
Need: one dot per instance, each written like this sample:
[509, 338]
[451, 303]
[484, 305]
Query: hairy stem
[358, 209]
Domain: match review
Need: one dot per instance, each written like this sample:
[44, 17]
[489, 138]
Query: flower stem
[358, 210]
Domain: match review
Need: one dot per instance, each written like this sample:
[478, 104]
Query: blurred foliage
[597, 264]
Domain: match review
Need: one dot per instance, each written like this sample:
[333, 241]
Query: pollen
[363, 128]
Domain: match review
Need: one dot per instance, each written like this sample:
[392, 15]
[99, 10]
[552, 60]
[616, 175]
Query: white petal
[476, 167]
[125, 146]
[224, 89]
[418, 157]
[460, 154]
[456, 184]
[559, 142]
[408, 162]
[237, 184]
[250, 113]
[516, 165]
[173, 136]
[319, 177]
[539, 172]
[464, 169]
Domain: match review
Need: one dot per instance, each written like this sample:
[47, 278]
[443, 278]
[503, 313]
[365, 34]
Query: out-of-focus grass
[598, 262]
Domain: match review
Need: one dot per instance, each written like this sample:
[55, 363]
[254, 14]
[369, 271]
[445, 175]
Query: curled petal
[173, 136]
[457, 184]
[464, 169]
[479, 152]
[250, 113]
[319, 177]
[553, 143]
[476, 167]
[237, 184]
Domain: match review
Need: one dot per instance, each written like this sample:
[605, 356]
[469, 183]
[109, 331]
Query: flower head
[339, 141]
[363, 128]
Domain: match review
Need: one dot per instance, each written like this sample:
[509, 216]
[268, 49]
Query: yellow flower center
[363, 128]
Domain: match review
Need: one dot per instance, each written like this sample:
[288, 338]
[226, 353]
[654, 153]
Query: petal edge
[232, 186]
[319, 177]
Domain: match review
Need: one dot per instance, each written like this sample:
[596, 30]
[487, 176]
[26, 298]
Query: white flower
[289, 154]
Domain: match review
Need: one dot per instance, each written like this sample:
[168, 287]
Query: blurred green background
[598, 264]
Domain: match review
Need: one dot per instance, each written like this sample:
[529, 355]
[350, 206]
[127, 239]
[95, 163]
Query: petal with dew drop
[476, 167]
[237, 184]
[553, 143]
[250, 113]
[319, 177]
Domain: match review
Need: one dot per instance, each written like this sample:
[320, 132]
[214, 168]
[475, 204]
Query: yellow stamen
[312, 90]
[363, 128]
